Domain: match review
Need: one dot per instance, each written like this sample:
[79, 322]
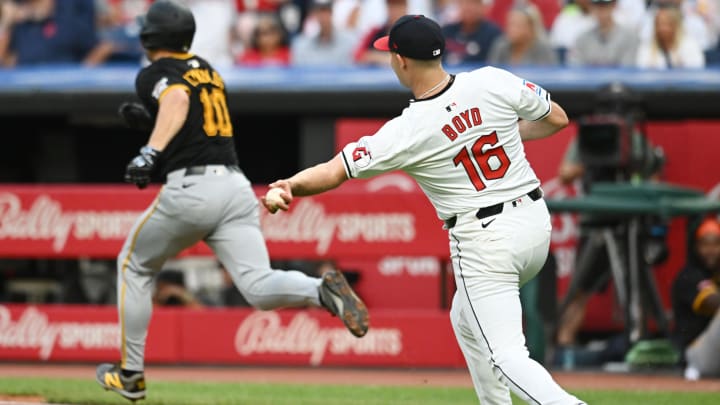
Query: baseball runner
[461, 140]
[205, 197]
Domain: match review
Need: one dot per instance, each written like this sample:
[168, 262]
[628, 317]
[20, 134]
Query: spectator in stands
[709, 10]
[214, 36]
[607, 43]
[47, 31]
[696, 304]
[330, 46]
[669, 47]
[702, 30]
[269, 44]
[170, 290]
[290, 12]
[360, 16]
[525, 40]
[366, 54]
[630, 13]
[573, 20]
[547, 9]
[446, 11]
[470, 39]
[118, 29]
[259, 6]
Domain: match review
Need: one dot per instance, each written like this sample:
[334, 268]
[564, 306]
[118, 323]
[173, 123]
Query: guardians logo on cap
[415, 37]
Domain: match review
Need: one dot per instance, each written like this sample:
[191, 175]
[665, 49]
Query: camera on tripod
[604, 142]
[612, 145]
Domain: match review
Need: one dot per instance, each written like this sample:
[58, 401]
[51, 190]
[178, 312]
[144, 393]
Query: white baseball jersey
[462, 146]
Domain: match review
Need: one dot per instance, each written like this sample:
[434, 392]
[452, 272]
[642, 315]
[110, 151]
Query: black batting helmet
[167, 25]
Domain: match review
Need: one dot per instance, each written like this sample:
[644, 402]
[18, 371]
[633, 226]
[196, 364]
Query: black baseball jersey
[688, 290]
[206, 136]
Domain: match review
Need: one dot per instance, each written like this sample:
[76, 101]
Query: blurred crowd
[653, 34]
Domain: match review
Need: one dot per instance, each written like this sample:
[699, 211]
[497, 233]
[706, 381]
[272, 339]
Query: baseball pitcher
[461, 140]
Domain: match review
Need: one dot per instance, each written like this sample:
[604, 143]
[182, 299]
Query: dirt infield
[339, 376]
[20, 399]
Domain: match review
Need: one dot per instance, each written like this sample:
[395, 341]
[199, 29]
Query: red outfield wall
[383, 228]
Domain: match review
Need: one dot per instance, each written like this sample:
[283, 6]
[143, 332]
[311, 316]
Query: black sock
[128, 373]
[320, 299]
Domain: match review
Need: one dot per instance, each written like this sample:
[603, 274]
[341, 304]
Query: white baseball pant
[492, 258]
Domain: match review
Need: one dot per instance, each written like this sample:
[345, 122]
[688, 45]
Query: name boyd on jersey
[462, 122]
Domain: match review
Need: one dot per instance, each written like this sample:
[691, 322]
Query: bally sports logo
[45, 219]
[263, 333]
[309, 222]
[34, 331]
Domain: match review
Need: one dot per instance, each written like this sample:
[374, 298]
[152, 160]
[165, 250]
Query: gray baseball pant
[220, 208]
[704, 353]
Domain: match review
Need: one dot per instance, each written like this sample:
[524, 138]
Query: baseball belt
[200, 170]
[493, 209]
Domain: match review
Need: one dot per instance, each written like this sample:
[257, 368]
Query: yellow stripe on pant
[126, 261]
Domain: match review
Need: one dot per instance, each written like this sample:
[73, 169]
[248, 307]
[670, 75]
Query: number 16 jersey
[462, 145]
[206, 137]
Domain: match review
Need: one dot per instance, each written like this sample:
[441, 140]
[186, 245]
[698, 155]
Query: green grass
[72, 391]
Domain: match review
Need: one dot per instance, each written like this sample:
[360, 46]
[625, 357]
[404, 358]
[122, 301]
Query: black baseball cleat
[339, 298]
[110, 377]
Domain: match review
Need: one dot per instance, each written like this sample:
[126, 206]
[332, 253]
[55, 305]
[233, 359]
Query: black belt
[493, 209]
[200, 170]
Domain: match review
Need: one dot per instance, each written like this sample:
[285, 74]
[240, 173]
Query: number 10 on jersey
[215, 113]
[482, 160]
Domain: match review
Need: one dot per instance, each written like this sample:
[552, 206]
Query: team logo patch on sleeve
[536, 89]
[361, 155]
[160, 86]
